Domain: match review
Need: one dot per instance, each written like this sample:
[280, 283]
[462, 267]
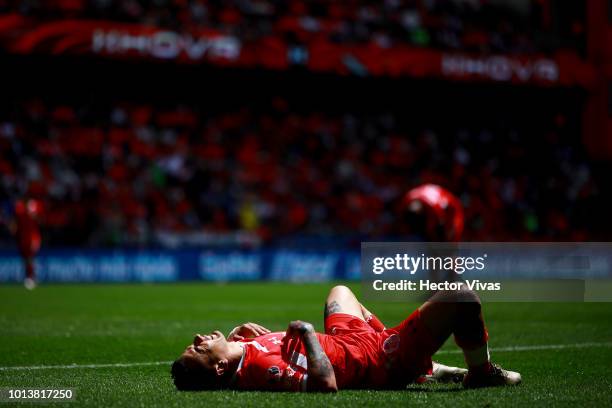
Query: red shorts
[409, 347]
[342, 323]
[28, 249]
[399, 355]
[28, 243]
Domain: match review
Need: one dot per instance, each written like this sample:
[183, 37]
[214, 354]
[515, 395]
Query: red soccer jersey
[443, 206]
[355, 358]
[263, 367]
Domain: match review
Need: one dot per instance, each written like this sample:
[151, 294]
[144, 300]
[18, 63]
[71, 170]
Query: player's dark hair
[188, 377]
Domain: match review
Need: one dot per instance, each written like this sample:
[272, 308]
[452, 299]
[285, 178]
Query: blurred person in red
[28, 236]
[433, 214]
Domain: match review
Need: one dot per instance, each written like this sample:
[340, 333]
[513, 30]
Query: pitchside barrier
[70, 265]
[389, 271]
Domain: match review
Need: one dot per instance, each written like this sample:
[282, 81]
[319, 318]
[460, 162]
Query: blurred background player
[28, 237]
[433, 214]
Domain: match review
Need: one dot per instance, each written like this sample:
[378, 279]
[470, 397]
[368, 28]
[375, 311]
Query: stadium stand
[123, 173]
[479, 26]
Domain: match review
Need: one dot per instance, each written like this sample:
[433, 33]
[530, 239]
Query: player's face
[207, 349]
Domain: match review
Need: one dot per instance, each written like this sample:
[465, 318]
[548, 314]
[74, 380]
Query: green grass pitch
[108, 324]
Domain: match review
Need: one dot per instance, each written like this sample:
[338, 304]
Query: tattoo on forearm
[332, 307]
[318, 363]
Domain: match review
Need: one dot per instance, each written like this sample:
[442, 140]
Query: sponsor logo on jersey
[274, 374]
[391, 344]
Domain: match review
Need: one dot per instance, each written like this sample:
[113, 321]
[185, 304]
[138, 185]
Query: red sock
[481, 369]
[374, 323]
[29, 269]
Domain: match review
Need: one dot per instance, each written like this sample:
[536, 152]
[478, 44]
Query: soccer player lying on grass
[356, 351]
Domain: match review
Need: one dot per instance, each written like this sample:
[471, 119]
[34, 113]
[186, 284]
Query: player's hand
[293, 338]
[299, 328]
[247, 330]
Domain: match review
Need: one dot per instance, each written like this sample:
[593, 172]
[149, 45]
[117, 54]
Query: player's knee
[340, 291]
[468, 296]
[463, 295]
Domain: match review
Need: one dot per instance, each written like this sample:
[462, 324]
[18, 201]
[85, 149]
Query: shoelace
[496, 369]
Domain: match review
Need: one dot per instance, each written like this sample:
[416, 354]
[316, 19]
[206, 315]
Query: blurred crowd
[127, 173]
[503, 26]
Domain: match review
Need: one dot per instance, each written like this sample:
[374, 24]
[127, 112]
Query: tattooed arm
[321, 375]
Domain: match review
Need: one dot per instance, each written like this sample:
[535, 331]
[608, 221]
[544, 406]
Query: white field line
[537, 347]
[70, 366]
[456, 351]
